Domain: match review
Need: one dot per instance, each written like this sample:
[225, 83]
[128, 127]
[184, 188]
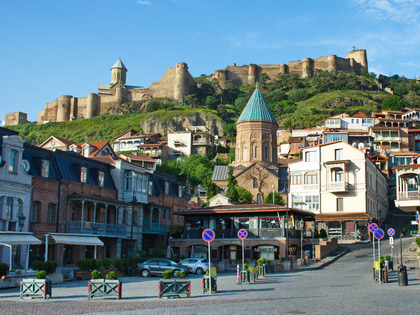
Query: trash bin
[402, 276]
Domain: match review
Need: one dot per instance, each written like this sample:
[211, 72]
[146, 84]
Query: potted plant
[110, 286]
[86, 266]
[253, 274]
[38, 286]
[174, 288]
[245, 274]
[389, 262]
[205, 280]
[50, 267]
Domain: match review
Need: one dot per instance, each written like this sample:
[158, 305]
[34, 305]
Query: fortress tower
[256, 139]
[118, 72]
[360, 56]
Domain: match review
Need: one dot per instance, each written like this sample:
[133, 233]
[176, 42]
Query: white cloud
[407, 11]
[144, 2]
[410, 63]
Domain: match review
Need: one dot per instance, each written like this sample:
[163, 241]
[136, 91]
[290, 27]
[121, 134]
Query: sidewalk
[324, 261]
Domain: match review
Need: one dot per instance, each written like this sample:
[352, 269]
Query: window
[45, 169]
[135, 217]
[338, 175]
[166, 188]
[259, 199]
[312, 203]
[36, 207]
[255, 152]
[1, 206]
[150, 187]
[86, 151]
[254, 183]
[9, 208]
[180, 191]
[83, 174]
[50, 213]
[338, 154]
[265, 152]
[311, 178]
[198, 150]
[101, 178]
[128, 181]
[245, 153]
[310, 156]
[13, 161]
[296, 179]
[340, 204]
[124, 216]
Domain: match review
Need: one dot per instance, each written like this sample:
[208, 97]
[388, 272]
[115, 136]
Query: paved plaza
[343, 287]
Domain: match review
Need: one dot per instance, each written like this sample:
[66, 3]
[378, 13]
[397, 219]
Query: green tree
[244, 196]
[236, 194]
[278, 199]
[393, 102]
[211, 188]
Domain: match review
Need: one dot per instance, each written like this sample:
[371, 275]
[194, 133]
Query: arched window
[244, 153]
[255, 152]
[266, 155]
[254, 183]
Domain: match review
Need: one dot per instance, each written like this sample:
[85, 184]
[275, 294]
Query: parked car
[197, 265]
[157, 266]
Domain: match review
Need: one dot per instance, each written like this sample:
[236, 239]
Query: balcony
[408, 200]
[337, 187]
[202, 142]
[100, 229]
[140, 197]
[155, 228]
[263, 233]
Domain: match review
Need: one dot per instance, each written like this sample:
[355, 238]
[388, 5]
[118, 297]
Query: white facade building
[15, 198]
[342, 186]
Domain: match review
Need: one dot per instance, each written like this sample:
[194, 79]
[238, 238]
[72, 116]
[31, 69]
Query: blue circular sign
[391, 232]
[242, 234]
[373, 227]
[208, 235]
[379, 234]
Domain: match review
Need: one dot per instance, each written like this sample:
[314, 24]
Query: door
[154, 266]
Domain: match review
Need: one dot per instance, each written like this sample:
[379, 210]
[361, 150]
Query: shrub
[246, 266]
[213, 271]
[123, 263]
[83, 264]
[168, 274]
[94, 263]
[418, 241]
[4, 270]
[112, 275]
[95, 274]
[156, 252]
[181, 274]
[261, 261]
[252, 269]
[387, 257]
[42, 274]
[48, 266]
[106, 262]
[322, 233]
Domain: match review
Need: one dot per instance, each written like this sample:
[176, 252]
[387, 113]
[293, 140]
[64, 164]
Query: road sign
[373, 227]
[417, 217]
[391, 232]
[242, 234]
[208, 235]
[391, 240]
[379, 234]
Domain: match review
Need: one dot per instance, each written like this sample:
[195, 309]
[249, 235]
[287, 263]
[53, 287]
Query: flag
[278, 215]
[292, 219]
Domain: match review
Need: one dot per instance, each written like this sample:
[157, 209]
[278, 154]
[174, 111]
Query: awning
[16, 238]
[76, 239]
[342, 216]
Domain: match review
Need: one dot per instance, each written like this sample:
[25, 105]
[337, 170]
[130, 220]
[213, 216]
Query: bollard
[238, 275]
[402, 276]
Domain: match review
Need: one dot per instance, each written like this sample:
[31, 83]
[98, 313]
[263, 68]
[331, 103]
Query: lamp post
[272, 186]
[21, 220]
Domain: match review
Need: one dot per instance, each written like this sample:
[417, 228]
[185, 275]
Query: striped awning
[16, 238]
[76, 239]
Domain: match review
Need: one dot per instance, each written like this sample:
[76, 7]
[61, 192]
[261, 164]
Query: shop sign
[271, 249]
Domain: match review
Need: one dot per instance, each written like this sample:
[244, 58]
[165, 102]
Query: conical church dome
[257, 110]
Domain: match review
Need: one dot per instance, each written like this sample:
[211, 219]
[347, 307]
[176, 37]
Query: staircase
[411, 258]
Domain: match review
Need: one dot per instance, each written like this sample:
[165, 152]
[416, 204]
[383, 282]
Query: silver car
[197, 265]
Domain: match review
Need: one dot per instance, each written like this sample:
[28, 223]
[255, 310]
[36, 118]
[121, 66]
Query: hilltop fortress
[177, 82]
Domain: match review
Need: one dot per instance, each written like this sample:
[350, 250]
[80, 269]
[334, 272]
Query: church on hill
[255, 167]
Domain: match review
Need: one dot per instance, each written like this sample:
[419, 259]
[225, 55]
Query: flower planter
[261, 271]
[82, 275]
[56, 278]
[206, 286]
[34, 287]
[104, 288]
[174, 288]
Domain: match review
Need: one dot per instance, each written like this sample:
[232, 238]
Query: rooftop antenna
[354, 47]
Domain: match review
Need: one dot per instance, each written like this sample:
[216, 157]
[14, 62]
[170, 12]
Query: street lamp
[21, 220]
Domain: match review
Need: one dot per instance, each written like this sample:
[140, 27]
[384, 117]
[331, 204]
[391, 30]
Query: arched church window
[265, 152]
[244, 153]
[259, 199]
[255, 152]
[254, 183]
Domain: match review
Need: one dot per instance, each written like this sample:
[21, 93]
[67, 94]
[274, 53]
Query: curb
[326, 263]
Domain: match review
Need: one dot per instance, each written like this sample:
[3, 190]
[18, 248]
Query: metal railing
[87, 227]
[155, 228]
[408, 195]
[263, 233]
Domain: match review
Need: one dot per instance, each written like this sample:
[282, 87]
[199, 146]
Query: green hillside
[100, 128]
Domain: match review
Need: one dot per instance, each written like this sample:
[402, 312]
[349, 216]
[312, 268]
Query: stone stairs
[411, 257]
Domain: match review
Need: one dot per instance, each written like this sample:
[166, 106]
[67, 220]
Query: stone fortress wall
[249, 74]
[177, 82]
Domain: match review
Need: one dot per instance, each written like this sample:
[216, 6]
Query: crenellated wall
[249, 74]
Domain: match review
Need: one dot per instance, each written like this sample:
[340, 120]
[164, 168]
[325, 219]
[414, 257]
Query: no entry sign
[208, 235]
[242, 234]
[373, 227]
[391, 232]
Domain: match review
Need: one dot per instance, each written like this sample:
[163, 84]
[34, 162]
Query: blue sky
[51, 48]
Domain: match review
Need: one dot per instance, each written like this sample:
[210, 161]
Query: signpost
[243, 234]
[391, 233]
[379, 234]
[372, 228]
[208, 236]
